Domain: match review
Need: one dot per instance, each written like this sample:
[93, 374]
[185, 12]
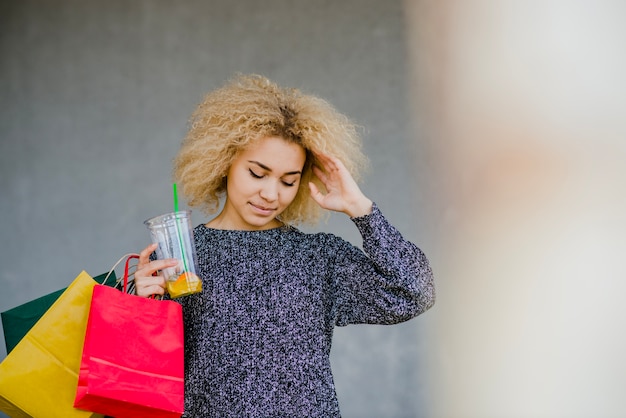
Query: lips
[262, 209]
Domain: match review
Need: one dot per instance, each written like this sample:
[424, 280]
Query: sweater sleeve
[389, 282]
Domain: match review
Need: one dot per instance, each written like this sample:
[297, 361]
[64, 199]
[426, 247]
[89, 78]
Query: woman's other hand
[342, 192]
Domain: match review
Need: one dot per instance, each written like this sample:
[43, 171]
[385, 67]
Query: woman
[258, 337]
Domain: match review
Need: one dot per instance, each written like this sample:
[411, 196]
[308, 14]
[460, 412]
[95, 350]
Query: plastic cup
[174, 235]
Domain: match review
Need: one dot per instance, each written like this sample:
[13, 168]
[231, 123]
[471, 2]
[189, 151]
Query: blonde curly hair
[251, 107]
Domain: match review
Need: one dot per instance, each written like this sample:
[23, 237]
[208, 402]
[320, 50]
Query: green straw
[175, 198]
[180, 241]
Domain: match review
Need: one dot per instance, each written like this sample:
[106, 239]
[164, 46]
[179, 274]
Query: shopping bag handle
[126, 275]
[128, 257]
[126, 266]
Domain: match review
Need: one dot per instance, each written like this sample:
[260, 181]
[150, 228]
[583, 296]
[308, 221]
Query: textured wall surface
[95, 100]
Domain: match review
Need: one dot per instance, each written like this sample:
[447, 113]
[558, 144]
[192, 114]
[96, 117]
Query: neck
[221, 222]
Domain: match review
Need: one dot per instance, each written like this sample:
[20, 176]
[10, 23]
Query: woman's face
[262, 181]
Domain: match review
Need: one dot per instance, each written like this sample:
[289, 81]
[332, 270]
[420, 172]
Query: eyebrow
[264, 167]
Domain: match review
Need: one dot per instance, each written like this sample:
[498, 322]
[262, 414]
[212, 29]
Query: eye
[290, 181]
[255, 175]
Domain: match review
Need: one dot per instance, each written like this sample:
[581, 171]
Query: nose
[269, 191]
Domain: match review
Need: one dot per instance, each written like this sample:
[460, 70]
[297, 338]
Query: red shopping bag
[133, 357]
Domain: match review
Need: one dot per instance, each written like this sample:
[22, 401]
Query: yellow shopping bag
[38, 378]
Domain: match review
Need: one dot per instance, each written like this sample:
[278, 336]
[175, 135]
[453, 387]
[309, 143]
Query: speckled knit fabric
[258, 337]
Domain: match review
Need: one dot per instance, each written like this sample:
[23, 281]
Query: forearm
[393, 284]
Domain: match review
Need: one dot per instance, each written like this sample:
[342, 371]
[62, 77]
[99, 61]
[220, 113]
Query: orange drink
[186, 284]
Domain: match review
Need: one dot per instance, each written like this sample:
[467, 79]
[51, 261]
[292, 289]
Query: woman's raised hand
[146, 283]
[342, 192]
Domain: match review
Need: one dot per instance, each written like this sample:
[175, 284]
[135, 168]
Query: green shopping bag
[16, 322]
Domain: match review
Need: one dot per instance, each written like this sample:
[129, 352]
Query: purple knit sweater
[258, 337]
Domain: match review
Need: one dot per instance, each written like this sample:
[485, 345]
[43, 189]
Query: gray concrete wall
[95, 99]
